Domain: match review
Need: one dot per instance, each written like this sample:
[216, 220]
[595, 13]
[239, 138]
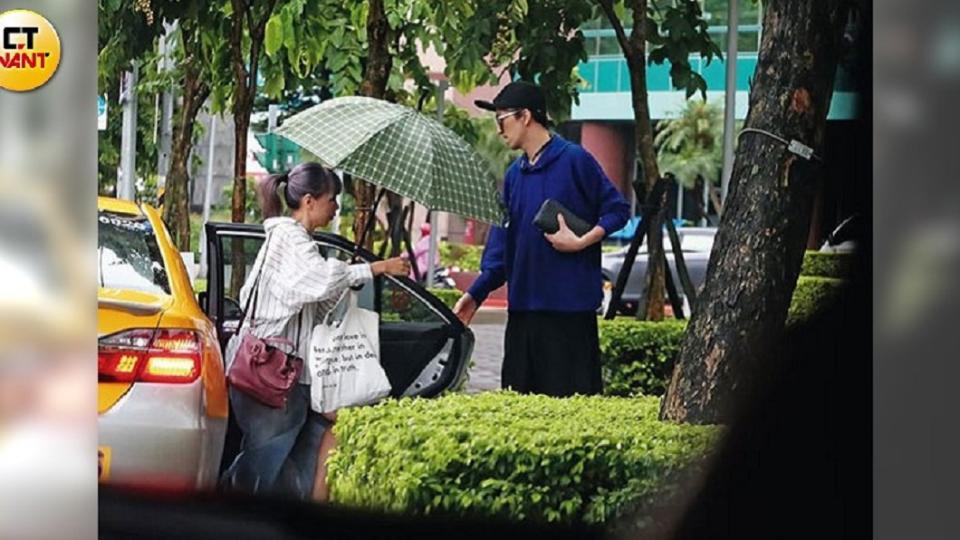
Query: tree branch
[607, 7]
[248, 15]
[257, 29]
[236, 45]
[638, 32]
[261, 25]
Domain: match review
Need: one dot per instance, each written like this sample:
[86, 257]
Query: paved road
[488, 327]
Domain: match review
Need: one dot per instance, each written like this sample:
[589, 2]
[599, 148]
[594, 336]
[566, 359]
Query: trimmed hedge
[636, 357]
[499, 454]
[831, 265]
[812, 295]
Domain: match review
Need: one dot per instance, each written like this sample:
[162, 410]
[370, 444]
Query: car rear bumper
[157, 436]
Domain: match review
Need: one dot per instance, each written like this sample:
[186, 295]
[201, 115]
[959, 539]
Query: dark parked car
[424, 348]
[695, 242]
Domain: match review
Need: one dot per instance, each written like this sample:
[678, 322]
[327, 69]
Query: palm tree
[690, 146]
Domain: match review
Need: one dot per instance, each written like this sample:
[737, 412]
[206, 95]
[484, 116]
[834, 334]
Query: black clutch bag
[546, 219]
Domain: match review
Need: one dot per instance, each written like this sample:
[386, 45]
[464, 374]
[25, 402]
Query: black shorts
[551, 353]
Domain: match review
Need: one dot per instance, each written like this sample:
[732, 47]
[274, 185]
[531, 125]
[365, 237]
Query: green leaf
[522, 7]
[289, 32]
[273, 37]
[652, 31]
[274, 84]
[620, 10]
[338, 61]
[657, 56]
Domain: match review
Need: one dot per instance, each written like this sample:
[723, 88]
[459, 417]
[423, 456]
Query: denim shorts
[278, 453]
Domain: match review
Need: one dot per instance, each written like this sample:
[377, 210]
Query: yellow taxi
[161, 387]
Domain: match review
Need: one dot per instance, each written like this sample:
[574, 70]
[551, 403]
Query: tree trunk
[652, 308]
[635, 50]
[739, 320]
[375, 77]
[176, 207]
[245, 89]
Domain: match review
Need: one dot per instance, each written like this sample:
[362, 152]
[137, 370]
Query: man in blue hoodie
[555, 286]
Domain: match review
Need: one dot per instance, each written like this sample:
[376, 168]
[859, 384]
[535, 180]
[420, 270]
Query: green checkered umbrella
[399, 149]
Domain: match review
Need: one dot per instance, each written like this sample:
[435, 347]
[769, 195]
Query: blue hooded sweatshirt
[539, 277]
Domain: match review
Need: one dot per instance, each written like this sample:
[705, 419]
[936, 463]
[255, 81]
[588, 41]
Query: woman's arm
[306, 276]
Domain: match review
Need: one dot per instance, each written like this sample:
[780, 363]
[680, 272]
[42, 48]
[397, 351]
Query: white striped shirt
[295, 277]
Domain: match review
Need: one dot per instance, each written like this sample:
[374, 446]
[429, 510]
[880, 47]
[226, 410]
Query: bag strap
[296, 346]
[326, 318]
[256, 289]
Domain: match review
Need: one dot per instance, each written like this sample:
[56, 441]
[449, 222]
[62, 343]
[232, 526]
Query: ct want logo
[29, 50]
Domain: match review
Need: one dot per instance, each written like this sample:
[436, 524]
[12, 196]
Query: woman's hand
[396, 266]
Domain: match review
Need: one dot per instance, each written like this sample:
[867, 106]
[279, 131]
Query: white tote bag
[344, 359]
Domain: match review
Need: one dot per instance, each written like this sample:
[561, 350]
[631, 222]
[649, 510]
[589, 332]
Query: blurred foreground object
[48, 172]
[46, 401]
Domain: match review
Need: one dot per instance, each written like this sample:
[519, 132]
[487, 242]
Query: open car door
[424, 348]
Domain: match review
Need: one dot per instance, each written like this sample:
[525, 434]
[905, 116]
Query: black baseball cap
[518, 95]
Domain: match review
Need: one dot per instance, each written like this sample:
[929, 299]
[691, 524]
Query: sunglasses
[500, 118]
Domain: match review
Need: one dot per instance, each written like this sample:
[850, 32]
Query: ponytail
[268, 194]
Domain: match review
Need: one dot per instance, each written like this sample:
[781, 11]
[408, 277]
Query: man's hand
[564, 240]
[465, 308]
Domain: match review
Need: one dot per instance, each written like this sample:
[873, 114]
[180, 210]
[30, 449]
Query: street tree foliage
[130, 31]
[123, 36]
[372, 48]
[193, 52]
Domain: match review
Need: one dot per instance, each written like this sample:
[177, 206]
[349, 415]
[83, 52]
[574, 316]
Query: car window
[239, 254]
[128, 256]
[398, 304]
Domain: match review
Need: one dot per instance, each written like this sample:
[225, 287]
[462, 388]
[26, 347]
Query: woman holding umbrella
[284, 449]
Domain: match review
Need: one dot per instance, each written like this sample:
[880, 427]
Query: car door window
[239, 254]
[397, 303]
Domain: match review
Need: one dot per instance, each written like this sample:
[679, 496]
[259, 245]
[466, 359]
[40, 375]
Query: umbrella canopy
[401, 150]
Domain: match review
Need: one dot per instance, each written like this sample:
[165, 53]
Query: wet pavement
[488, 326]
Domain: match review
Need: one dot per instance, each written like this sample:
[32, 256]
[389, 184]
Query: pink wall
[607, 145]
[435, 64]
[486, 93]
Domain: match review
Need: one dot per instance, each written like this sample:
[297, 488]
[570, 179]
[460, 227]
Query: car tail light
[145, 355]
